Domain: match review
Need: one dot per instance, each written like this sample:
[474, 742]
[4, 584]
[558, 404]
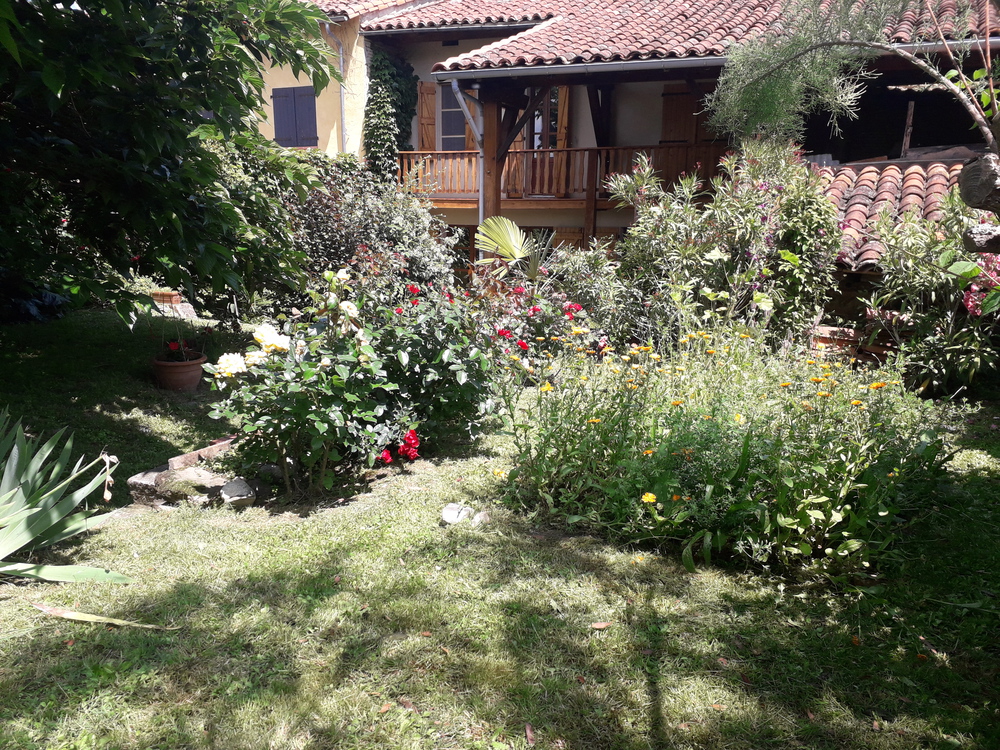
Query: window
[452, 122]
[295, 116]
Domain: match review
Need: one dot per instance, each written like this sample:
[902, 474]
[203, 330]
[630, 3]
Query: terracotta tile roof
[358, 7]
[582, 31]
[461, 13]
[862, 191]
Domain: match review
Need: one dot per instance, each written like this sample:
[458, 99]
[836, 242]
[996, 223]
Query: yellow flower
[655, 357]
[877, 385]
[500, 473]
[676, 403]
[636, 367]
[593, 421]
[856, 402]
[229, 365]
[810, 361]
[648, 452]
[649, 497]
[539, 338]
[784, 385]
[821, 346]
[739, 419]
[824, 394]
[706, 416]
[680, 369]
[584, 378]
[615, 369]
[255, 358]
[893, 382]
[675, 498]
[547, 387]
[645, 348]
[626, 359]
[744, 336]
[710, 351]
[270, 340]
[816, 380]
[824, 367]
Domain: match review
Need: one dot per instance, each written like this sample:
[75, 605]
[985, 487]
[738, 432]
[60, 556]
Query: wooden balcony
[569, 177]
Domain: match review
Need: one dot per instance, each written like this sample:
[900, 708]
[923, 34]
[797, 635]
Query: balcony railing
[552, 173]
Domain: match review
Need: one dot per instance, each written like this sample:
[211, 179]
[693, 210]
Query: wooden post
[590, 208]
[908, 130]
[492, 165]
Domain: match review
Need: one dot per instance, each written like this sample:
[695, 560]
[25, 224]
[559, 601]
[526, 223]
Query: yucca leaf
[67, 573]
[501, 236]
[69, 526]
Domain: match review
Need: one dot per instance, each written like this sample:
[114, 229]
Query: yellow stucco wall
[328, 104]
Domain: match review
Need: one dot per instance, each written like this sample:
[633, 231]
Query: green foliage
[723, 445]
[397, 75]
[105, 194]
[40, 495]
[380, 132]
[931, 298]
[758, 249]
[347, 381]
[387, 235]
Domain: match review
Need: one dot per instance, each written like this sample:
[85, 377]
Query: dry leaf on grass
[68, 614]
[529, 734]
[600, 625]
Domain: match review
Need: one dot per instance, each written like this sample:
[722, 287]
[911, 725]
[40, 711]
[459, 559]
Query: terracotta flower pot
[167, 298]
[178, 376]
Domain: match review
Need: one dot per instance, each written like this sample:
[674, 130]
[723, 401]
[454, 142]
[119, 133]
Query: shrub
[725, 446]
[347, 380]
[384, 234]
[757, 249]
[928, 299]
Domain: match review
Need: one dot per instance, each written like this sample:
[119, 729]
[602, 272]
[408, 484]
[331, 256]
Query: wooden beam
[492, 163]
[908, 130]
[529, 111]
[590, 207]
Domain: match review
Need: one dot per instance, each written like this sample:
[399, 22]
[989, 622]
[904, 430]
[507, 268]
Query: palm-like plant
[40, 494]
[501, 237]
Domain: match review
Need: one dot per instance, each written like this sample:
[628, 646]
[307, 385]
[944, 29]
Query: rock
[142, 486]
[456, 513]
[982, 238]
[481, 518]
[238, 494]
[174, 486]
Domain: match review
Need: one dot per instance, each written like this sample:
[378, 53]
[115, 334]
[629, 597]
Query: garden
[698, 525]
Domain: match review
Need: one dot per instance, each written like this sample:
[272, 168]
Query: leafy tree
[108, 109]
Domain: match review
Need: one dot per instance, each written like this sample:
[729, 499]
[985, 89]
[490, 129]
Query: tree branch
[963, 98]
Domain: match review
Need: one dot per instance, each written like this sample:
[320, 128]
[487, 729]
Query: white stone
[456, 513]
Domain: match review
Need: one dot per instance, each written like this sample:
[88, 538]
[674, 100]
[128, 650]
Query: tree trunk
[979, 183]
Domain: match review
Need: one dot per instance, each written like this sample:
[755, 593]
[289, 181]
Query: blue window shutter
[305, 116]
[284, 117]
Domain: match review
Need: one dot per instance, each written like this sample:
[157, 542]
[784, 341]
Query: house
[524, 108]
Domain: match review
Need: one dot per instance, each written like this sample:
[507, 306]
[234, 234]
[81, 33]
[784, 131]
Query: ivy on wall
[397, 75]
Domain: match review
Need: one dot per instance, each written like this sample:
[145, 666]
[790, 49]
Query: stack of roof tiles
[863, 192]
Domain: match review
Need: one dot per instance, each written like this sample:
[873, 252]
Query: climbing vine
[398, 77]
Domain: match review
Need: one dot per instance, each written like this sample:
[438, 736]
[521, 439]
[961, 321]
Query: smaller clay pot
[178, 376]
[167, 298]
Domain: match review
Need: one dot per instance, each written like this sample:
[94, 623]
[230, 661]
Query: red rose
[519, 290]
[386, 456]
[414, 302]
[504, 332]
[569, 315]
[413, 289]
[399, 311]
[523, 344]
[411, 439]
[408, 451]
[174, 346]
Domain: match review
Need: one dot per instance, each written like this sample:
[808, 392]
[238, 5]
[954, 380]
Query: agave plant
[501, 237]
[40, 495]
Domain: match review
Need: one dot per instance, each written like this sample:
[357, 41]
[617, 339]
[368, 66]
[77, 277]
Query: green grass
[364, 624]
[89, 372]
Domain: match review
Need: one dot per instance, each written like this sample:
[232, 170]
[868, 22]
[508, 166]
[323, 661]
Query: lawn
[360, 622]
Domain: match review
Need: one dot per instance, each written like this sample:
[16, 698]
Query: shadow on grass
[684, 665]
